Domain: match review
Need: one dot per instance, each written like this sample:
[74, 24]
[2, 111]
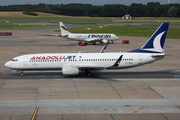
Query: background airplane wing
[93, 40]
[103, 50]
[89, 40]
[96, 40]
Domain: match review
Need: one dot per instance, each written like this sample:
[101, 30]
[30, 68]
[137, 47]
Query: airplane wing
[96, 40]
[103, 50]
[97, 66]
[116, 64]
[90, 40]
[93, 40]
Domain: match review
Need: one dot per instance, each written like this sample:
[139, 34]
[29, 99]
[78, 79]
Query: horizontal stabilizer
[158, 55]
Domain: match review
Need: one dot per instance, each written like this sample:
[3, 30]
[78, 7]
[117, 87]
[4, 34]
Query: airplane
[102, 38]
[74, 63]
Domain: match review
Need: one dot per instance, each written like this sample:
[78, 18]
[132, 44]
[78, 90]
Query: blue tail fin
[155, 44]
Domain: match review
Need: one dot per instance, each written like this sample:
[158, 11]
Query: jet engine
[104, 41]
[70, 70]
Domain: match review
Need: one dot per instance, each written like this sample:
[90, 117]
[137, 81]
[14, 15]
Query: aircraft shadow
[95, 75]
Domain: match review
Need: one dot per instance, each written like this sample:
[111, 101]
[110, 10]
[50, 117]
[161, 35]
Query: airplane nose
[8, 64]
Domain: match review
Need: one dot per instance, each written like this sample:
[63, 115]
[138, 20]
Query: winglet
[103, 50]
[63, 29]
[118, 61]
[155, 44]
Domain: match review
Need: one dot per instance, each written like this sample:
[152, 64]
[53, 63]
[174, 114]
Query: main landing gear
[110, 42]
[19, 72]
[88, 73]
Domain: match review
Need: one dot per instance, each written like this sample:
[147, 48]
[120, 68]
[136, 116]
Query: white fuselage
[56, 61]
[92, 37]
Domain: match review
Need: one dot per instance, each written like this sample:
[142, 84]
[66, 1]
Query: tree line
[151, 9]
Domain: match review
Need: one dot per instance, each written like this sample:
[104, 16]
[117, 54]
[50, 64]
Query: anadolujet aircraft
[103, 38]
[73, 63]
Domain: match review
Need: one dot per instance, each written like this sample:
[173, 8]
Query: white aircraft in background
[73, 63]
[103, 38]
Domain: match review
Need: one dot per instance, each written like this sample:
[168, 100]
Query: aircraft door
[25, 61]
[140, 59]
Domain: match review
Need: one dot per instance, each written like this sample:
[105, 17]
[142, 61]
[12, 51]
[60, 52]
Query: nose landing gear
[22, 73]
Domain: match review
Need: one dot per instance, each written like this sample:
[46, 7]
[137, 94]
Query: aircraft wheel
[112, 42]
[22, 73]
[94, 43]
[88, 73]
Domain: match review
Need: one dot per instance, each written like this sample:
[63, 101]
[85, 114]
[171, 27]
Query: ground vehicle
[5, 33]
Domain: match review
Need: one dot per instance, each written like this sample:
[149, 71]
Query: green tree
[156, 12]
[172, 12]
[152, 9]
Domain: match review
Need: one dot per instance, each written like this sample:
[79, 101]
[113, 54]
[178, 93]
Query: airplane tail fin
[155, 44]
[63, 29]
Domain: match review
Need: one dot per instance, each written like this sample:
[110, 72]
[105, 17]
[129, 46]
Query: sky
[93, 2]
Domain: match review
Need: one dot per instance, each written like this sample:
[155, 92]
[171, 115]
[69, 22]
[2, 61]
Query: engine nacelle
[104, 41]
[70, 70]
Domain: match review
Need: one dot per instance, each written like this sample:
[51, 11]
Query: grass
[57, 19]
[126, 31]
[22, 27]
[17, 18]
[157, 18]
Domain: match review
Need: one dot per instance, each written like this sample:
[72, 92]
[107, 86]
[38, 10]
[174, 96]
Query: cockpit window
[14, 60]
